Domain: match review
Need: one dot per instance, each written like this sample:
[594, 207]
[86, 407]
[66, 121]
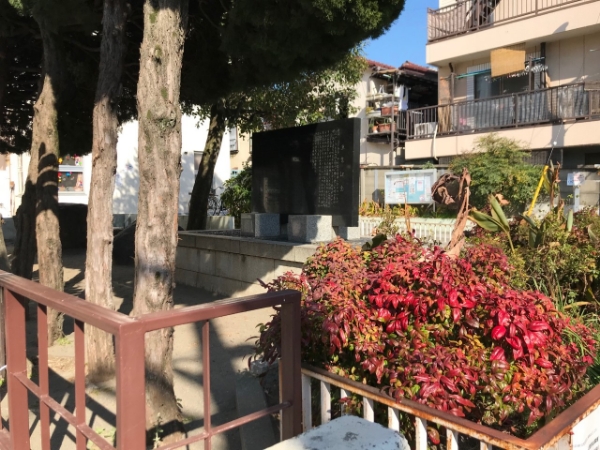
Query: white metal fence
[568, 430]
[429, 230]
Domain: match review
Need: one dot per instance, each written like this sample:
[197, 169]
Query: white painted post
[344, 394]
[421, 428]
[368, 411]
[393, 419]
[484, 446]
[306, 403]
[452, 440]
[325, 402]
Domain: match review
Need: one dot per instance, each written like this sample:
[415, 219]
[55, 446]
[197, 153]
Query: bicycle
[215, 206]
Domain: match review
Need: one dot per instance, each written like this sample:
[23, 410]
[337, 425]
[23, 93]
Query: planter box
[387, 110]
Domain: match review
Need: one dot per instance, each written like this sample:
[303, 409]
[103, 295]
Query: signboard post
[576, 179]
[410, 187]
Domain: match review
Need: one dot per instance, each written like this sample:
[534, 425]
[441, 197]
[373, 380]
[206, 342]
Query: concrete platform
[346, 433]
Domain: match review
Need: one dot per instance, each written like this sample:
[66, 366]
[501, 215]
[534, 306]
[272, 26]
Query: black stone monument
[308, 170]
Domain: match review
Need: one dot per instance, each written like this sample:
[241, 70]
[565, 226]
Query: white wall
[194, 138]
[14, 168]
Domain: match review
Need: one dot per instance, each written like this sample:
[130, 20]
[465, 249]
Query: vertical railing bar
[42, 328]
[206, 383]
[16, 363]
[421, 433]
[484, 446]
[325, 402]
[81, 440]
[344, 394]
[306, 403]
[394, 419]
[291, 372]
[130, 355]
[368, 410]
[451, 439]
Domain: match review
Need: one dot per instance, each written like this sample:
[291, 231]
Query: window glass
[70, 174]
[233, 140]
[197, 159]
[70, 181]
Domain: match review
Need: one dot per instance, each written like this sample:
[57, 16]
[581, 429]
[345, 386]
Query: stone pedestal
[310, 229]
[348, 233]
[260, 225]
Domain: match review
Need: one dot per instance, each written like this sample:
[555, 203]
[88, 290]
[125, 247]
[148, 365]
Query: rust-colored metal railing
[553, 436]
[549, 105]
[129, 334]
[470, 15]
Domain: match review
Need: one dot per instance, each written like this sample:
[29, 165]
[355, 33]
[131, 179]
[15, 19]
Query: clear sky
[406, 38]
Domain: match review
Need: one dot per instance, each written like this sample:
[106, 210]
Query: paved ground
[231, 344]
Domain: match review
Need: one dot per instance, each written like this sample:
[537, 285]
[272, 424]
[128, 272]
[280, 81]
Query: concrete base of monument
[348, 233]
[261, 225]
[310, 229]
[227, 263]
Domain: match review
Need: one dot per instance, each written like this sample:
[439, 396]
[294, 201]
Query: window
[197, 160]
[592, 158]
[70, 174]
[250, 144]
[486, 86]
[233, 144]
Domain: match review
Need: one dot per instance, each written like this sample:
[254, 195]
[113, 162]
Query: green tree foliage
[237, 196]
[498, 166]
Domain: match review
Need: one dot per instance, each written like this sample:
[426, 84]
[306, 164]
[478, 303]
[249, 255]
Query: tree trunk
[159, 158]
[4, 67]
[4, 267]
[45, 143]
[204, 178]
[25, 241]
[98, 263]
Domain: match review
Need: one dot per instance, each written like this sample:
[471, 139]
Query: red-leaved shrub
[448, 333]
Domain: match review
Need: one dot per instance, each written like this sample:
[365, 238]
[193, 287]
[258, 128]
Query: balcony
[551, 105]
[471, 15]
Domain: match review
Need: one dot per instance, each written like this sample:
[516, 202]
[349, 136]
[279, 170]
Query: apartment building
[526, 69]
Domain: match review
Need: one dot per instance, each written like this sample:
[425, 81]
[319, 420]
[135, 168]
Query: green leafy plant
[497, 165]
[450, 333]
[237, 196]
[494, 222]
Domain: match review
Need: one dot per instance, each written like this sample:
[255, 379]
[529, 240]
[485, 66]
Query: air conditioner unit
[425, 129]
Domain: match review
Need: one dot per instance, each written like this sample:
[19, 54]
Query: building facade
[383, 96]
[528, 70]
[75, 172]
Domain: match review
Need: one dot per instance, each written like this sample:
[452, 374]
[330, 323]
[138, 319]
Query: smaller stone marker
[346, 433]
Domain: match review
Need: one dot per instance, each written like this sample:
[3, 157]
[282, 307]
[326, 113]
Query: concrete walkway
[232, 340]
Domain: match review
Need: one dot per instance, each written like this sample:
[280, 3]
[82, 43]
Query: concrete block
[186, 277]
[187, 239]
[247, 225]
[221, 243]
[220, 223]
[187, 258]
[281, 269]
[250, 397]
[228, 265]
[246, 289]
[303, 252]
[347, 433]
[253, 267]
[206, 262]
[310, 228]
[348, 233]
[266, 225]
[267, 249]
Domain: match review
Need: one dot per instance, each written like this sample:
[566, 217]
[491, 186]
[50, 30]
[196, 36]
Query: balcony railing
[470, 15]
[528, 108]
